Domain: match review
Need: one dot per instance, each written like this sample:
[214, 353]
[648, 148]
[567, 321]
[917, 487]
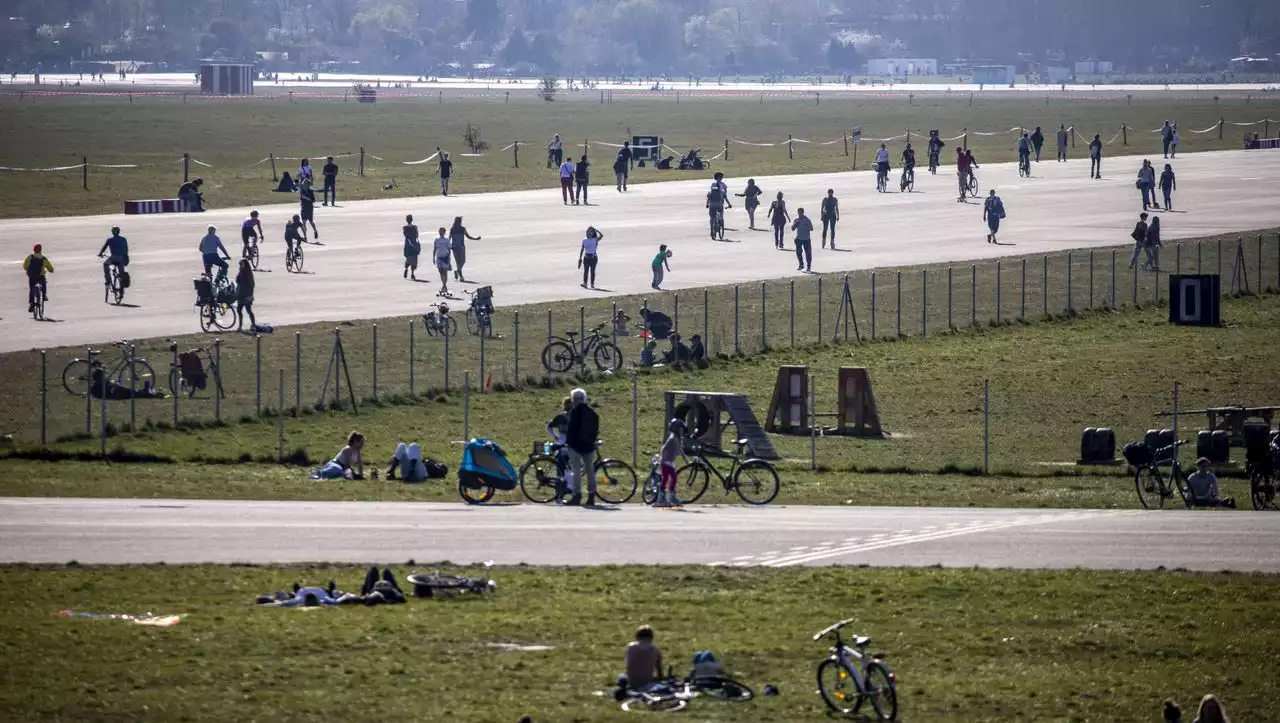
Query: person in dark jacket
[580, 173]
[622, 165]
[244, 295]
[1095, 157]
[1139, 237]
[330, 189]
[581, 438]
[1037, 141]
[1168, 184]
[412, 248]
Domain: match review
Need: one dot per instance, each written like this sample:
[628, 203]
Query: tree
[516, 49]
[548, 87]
[471, 136]
[484, 19]
[843, 56]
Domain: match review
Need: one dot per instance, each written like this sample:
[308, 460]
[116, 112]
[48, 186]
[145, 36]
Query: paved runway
[530, 240]
[45, 530]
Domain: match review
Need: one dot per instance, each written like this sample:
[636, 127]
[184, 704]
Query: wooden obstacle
[707, 414]
[856, 412]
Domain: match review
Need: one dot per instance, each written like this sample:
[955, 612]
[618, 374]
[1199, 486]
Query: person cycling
[716, 202]
[1024, 154]
[292, 235]
[36, 266]
[213, 253]
[962, 173]
[250, 229]
[935, 151]
[119, 257]
[908, 164]
[724, 188]
[882, 164]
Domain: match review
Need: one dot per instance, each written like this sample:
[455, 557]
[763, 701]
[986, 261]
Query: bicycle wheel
[476, 495]
[973, 185]
[608, 357]
[448, 326]
[178, 384]
[1262, 492]
[691, 482]
[837, 687]
[473, 324]
[649, 494]
[540, 478]
[756, 481]
[136, 374]
[37, 308]
[881, 692]
[75, 377]
[1180, 486]
[615, 481]
[225, 317]
[253, 256]
[723, 688]
[656, 704]
[438, 581]
[117, 288]
[1150, 485]
[557, 356]
[208, 317]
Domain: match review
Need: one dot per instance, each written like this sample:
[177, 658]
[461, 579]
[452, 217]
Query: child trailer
[484, 470]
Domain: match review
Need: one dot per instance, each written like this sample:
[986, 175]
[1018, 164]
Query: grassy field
[235, 136]
[971, 645]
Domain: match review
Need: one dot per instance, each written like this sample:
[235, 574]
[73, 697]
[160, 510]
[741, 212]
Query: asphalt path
[530, 240]
[120, 531]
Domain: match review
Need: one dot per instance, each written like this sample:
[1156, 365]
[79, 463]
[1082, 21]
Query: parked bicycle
[195, 367]
[673, 694]
[542, 475]
[438, 322]
[293, 258]
[850, 676]
[480, 311]
[1153, 488]
[132, 373]
[1263, 473]
[115, 285]
[755, 480]
[564, 353]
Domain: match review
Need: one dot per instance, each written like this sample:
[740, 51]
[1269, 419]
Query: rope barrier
[43, 170]
[428, 159]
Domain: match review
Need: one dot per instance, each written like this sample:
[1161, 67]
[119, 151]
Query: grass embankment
[233, 136]
[1048, 381]
[973, 645]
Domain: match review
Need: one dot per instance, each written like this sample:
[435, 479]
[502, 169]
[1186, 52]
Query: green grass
[972, 645]
[233, 136]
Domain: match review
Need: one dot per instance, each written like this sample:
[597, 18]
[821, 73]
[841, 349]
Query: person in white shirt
[566, 182]
[441, 249]
[304, 171]
[587, 256]
[555, 151]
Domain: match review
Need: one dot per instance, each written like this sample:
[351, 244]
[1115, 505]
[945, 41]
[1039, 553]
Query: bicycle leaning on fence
[1153, 488]
[564, 353]
[755, 480]
[192, 374]
[850, 676]
[480, 311]
[542, 476]
[133, 373]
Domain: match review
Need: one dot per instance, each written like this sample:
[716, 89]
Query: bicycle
[36, 298]
[717, 224]
[661, 696]
[195, 377]
[214, 305]
[973, 184]
[933, 163]
[1263, 479]
[849, 663]
[1153, 488]
[542, 476]
[438, 322]
[114, 285]
[882, 178]
[908, 182]
[1024, 167]
[293, 258]
[252, 253]
[429, 584]
[134, 373]
[480, 311]
[759, 487]
[563, 353]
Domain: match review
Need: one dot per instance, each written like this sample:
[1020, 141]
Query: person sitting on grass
[347, 464]
[1211, 711]
[649, 354]
[407, 460]
[644, 664]
[1203, 487]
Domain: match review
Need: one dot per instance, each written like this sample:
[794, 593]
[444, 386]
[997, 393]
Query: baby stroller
[484, 470]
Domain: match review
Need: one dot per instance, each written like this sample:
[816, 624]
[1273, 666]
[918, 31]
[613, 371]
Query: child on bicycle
[673, 446]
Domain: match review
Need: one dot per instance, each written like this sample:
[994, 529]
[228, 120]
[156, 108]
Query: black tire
[208, 317]
[37, 309]
[723, 688]
[75, 377]
[475, 496]
[1150, 485]
[439, 582]
[225, 317]
[1262, 492]
[539, 479]
[652, 484]
[608, 357]
[615, 481]
[253, 255]
[691, 482]
[141, 376]
[448, 326]
[473, 325]
[557, 357]
[294, 263]
[881, 691]
[837, 687]
[117, 290]
[178, 385]
[1180, 486]
[759, 485]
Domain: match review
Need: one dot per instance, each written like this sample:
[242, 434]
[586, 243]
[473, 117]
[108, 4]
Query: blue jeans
[1168, 198]
[804, 253]
[1148, 195]
[778, 233]
[211, 260]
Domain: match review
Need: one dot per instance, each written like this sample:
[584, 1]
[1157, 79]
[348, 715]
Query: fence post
[174, 367]
[764, 319]
[516, 318]
[515, 153]
[1124, 132]
[548, 326]
[1135, 284]
[446, 362]
[186, 167]
[706, 318]
[899, 303]
[1046, 285]
[411, 355]
[88, 397]
[986, 426]
[466, 406]
[1070, 306]
[846, 144]
[102, 418]
[675, 313]
[133, 393]
[1113, 279]
[375, 361]
[790, 148]
[297, 373]
[737, 348]
[274, 175]
[973, 295]
[1177, 259]
[1022, 293]
[44, 397]
[950, 325]
[362, 161]
[820, 309]
[257, 375]
[484, 387]
[726, 149]
[280, 420]
[924, 303]
[813, 426]
[998, 303]
[873, 305]
[1221, 123]
[337, 377]
[793, 314]
[217, 397]
[1219, 258]
[1091, 279]
[635, 419]
[1259, 277]
[84, 171]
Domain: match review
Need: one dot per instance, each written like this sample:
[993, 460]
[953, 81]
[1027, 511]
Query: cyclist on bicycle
[908, 164]
[213, 253]
[292, 235]
[716, 202]
[250, 229]
[962, 172]
[119, 257]
[1024, 153]
[36, 266]
[882, 163]
[935, 150]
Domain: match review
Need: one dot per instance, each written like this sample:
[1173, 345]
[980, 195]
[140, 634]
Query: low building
[220, 76]
[901, 67]
[993, 74]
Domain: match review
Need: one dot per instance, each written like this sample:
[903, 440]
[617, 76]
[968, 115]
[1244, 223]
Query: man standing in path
[566, 182]
[1166, 137]
[992, 213]
[412, 248]
[330, 182]
[1062, 142]
[804, 245]
[1147, 184]
[830, 214]
[446, 172]
[555, 151]
[581, 438]
[622, 165]
[580, 174]
[1095, 157]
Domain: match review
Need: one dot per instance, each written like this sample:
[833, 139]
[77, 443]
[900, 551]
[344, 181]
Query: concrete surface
[530, 240]
[46, 530]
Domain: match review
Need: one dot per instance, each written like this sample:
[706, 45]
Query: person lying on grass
[347, 464]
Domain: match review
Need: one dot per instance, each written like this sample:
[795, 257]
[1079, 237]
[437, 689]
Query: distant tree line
[642, 37]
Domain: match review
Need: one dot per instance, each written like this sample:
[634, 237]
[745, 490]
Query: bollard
[257, 376]
[375, 361]
[793, 315]
[1135, 284]
[280, 420]
[706, 318]
[1219, 257]
[582, 323]
[873, 305]
[898, 331]
[1177, 259]
[813, 427]
[737, 348]
[1022, 293]
[516, 321]
[337, 376]
[548, 326]
[675, 313]
[44, 397]
[411, 380]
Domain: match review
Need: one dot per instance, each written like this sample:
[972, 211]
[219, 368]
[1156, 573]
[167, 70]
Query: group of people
[448, 251]
[575, 177]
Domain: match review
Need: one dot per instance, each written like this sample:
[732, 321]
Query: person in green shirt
[660, 263]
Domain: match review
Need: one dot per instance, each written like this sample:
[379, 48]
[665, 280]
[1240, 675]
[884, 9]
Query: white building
[1093, 67]
[993, 74]
[899, 67]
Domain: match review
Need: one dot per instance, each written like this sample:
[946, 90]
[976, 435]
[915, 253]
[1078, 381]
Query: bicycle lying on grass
[430, 584]
[755, 480]
[673, 694]
[850, 676]
[542, 476]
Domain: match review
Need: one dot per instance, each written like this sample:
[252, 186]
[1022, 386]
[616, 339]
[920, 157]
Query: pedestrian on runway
[1063, 137]
[1173, 143]
[1095, 157]
[412, 248]
[555, 151]
[440, 249]
[566, 183]
[752, 194]
[804, 244]
[778, 214]
[458, 236]
[660, 262]
[244, 295]
[993, 213]
[580, 175]
[446, 173]
[307, 201]
[1139, 236]
[1168, 184]
[830, 214]
[587, 257]
[1147, 184]
[622, 165]
[1037, 141]
[330, 171]
[1166, 137]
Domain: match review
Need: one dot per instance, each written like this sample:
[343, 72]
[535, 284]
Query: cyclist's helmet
[676, 425]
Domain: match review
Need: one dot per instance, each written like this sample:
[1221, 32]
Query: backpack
[125, 280]
[1138, 453]
[705, 665]
[192, 369]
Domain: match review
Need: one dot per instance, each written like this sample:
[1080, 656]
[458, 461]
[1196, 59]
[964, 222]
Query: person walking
[1168, 184]
[581, 437]
[1037, 142]
[660, 262]
[1095, 157]
[446, 173]
[830, 214]
[779, 216]
[307, 208]
[752, 194]
[1139, 236]
[566, 182]
[1153, 243]
[244, 295]
[1173, 142]
[1166, 137]
[587, 256]
[412, 248]
[555, 151]
[1063, 137]
[458, 236]
[804, 245]
[1147, 184]
[330, 172]
[993, 213]
[304, 171]
[580, 174]
[622, 165]
[440, 249]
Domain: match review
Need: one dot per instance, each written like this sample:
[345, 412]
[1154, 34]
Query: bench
[166, 205]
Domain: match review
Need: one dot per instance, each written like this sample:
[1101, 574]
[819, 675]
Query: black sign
[1194, 299]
